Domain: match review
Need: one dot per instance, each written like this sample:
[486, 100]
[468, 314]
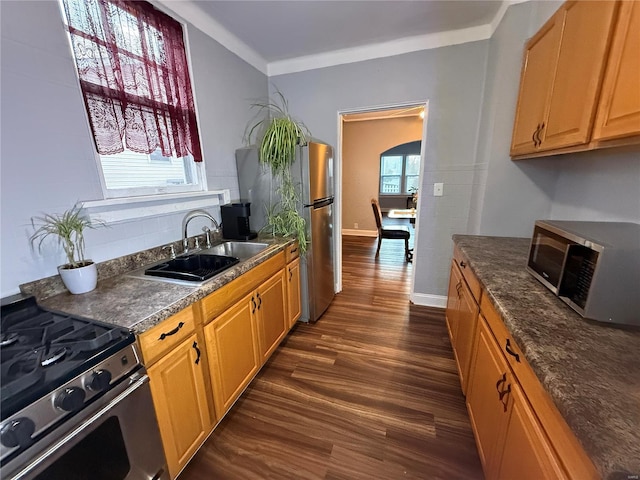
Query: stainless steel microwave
[594, 267]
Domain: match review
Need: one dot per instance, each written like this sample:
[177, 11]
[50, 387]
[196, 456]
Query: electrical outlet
[355, 225]
[438, 189]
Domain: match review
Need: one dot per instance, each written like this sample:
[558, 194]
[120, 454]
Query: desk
[409, 213]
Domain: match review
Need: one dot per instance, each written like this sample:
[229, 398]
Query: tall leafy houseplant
[280, 135]
[68, 228]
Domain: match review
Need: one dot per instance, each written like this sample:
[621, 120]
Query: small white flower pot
[79, 280]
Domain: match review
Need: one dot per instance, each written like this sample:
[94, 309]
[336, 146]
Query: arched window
[400, 169]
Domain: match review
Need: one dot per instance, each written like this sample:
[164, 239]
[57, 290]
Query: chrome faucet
[185, 223]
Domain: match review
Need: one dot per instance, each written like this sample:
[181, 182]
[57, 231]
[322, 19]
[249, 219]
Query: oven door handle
[135, 384]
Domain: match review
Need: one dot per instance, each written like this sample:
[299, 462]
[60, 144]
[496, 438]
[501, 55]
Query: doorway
[366, 182]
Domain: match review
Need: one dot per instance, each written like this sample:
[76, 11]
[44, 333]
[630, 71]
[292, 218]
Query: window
[400, 169]
[132, 66]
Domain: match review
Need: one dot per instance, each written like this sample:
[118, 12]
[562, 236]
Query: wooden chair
[397, 232]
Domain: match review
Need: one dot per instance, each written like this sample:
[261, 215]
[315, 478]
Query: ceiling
[277, 32]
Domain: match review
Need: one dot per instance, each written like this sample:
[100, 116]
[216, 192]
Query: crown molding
[191, 12]
[379, 50]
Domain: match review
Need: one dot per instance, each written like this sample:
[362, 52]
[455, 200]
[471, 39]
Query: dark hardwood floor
[370, 391]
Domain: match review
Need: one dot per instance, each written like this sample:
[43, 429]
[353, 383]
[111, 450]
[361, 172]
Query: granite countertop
[137, 303]
[591, 370]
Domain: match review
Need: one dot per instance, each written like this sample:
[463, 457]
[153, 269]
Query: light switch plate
[438, 189]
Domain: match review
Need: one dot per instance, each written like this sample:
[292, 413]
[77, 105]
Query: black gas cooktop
[42, 349]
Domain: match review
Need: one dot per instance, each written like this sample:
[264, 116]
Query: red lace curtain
[134, 76]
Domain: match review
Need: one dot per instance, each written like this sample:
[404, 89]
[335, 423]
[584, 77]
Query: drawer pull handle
[463, 265]
[172, 332]
[195, 346]
[502, 380]
[294, 250]
[502, 394]
[507, 347]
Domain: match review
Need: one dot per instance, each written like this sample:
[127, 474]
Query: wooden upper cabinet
[619, 108]
[538, 69]
[581, 61]
[561, 78]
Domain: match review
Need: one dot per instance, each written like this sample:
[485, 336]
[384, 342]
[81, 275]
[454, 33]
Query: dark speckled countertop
[138, 303]
[590, 370]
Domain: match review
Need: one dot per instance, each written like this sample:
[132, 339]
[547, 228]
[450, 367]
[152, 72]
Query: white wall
[451, 79]
[47, 153]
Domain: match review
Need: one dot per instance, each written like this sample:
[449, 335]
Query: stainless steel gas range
[75, 401]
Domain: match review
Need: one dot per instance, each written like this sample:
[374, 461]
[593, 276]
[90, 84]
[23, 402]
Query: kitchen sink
[239, 250]
[195, 268]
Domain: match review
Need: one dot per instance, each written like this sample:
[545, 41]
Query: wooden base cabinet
[270, 314]
[462, 315]
[526, 453]
[180, 399]
[294, 300]
[245, 321]
[510, 440]
[232, 350]
[488, 398]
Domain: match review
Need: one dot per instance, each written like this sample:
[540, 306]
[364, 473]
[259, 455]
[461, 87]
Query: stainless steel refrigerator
[312, 171]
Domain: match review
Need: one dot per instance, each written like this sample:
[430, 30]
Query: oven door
[117, 439]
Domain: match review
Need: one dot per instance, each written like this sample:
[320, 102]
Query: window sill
[117, 210]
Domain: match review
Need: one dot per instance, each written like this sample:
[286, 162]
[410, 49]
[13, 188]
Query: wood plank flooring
[370, 391]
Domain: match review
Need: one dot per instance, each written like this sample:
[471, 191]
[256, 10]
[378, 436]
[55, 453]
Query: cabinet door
[536, 79]
[488, 397]
[619, 109]
[271, 317]
[294, 304]
[467, 320]
[232, 351]
[453, 302]
[579, 72]
[179, 396]
[527, 454]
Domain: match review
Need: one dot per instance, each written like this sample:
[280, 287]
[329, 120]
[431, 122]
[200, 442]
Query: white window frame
[135, 193]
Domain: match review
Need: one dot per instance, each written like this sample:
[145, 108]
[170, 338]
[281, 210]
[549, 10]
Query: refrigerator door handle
[322, 202]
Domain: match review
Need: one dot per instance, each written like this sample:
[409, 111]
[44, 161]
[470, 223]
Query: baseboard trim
[359, 233]
[427, 300]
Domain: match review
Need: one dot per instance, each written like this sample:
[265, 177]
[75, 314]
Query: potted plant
[79, 275]
[414, 197]
[280, 135]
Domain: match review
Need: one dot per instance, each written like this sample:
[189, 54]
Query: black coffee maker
[235, 221]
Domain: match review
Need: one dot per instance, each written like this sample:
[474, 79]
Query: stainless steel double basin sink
[202, 265]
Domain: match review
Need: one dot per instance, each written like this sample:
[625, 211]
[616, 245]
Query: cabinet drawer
[292, 252]
[218, 301]
[508, 347]
[165, 336]
[469, 276]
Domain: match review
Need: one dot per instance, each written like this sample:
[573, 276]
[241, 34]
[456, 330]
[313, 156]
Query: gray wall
[47, 153]
[451, 79]
[509, 196]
